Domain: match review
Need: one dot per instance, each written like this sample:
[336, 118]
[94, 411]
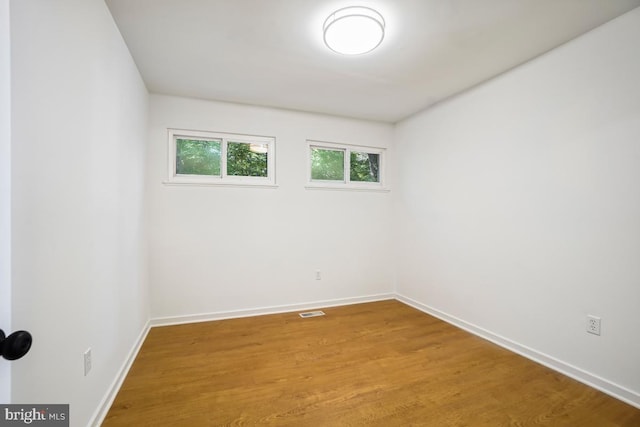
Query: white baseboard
[107, 400]
[619, 392]
[232, 314]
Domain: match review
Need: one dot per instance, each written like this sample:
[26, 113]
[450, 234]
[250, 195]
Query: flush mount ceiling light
[353, 30]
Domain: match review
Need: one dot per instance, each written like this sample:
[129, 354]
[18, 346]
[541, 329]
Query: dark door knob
[15, 345]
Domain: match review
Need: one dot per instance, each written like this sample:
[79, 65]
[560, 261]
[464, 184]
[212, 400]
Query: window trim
[223, 179]
[347, 184]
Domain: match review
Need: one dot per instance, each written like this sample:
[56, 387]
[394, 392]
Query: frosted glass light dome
[353, 30]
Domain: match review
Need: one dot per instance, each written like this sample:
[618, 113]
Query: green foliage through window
[197, 157]
[364, 167]
[243, 160]
[327, 164]
[333, 163]
[218, 158]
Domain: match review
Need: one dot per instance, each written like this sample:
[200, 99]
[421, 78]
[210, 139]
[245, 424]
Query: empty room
[320, 212]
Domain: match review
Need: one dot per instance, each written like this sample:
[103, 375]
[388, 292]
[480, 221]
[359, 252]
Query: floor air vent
[312, 313]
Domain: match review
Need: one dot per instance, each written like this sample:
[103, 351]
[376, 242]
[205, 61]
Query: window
[197, 157]
[345, 166]
[327, 164]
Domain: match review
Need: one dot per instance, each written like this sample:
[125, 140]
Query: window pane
[197, 157]
[245, 159]
[327, 164]
[365, 167]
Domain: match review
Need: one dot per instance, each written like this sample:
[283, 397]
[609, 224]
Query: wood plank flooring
[381, 363]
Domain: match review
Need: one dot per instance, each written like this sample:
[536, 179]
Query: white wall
[216, 250]
[518, 206]
[5, 192]
[79, 117]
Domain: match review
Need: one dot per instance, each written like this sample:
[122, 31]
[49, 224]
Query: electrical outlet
[87, 362]
[593, 325]
[318, 276]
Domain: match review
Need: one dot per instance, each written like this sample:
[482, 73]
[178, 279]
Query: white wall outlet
[87, 362]
[593, 324]
[318, 275]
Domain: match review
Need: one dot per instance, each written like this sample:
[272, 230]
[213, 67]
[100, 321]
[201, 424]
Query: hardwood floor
[381, 363]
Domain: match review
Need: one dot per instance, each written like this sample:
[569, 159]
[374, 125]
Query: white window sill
[344, 187]
[218, 184]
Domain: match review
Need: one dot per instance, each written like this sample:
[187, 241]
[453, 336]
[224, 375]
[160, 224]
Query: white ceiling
[270, 52]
